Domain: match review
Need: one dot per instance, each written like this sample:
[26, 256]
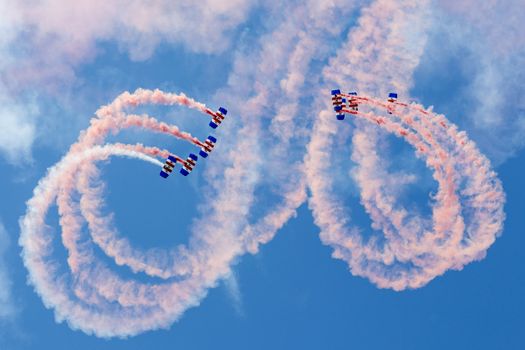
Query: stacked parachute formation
[467, 210]
[90, 295]
[206, 148]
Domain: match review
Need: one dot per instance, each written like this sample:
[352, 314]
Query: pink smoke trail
[370, 47]
[282, 75]
[91, 296]
[467, 210]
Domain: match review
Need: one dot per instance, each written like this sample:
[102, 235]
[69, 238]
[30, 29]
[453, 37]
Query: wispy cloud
[17, 125]
[234, 292]
[500, 24]
[17, 128]
[493, 33]
[48, 39]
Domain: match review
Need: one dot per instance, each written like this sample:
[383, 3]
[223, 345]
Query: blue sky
[268, 65]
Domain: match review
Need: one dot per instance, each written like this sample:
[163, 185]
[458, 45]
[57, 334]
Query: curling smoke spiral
[467, 209]
[91, 296]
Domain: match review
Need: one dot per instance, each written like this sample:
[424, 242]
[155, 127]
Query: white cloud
[494, 33]
[17, 132]
[500, 23]
[50, 38]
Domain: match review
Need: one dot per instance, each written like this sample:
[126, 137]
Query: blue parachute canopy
[193, 156]
[212, 139]
[163, 174]
[223, 110]
[353, 93]
[392, 95]
[203, 154]
[213, 125]
[336, 92]
[172, 158]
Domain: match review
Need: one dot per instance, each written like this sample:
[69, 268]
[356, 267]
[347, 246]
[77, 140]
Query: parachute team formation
[94, 297]
[339, 101]
[467, 216]
[467, 210]
[206, 148]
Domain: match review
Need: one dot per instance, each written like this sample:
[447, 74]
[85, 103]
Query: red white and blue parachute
[217, 117]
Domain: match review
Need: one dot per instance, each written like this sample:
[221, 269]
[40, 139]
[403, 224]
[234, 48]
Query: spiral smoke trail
[467, 210]
[93, 297]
